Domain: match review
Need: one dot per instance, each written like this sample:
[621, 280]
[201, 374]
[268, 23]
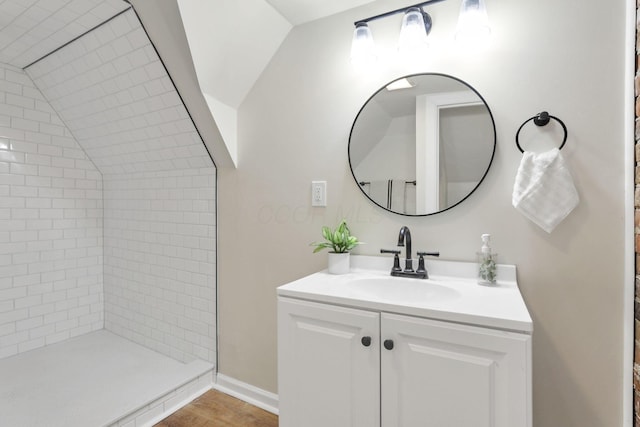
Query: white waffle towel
[544, 190]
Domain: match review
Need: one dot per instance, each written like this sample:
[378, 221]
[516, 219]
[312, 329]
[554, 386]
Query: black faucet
[404, 240]
[405, 235]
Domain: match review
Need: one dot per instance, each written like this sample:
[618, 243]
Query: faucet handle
[423, 254]
[396, 258]
[389, 251]
[421, 268]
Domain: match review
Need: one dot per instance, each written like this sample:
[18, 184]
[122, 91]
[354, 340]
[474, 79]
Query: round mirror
[422, 144]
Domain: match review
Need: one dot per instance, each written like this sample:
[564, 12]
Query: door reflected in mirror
[422, 144]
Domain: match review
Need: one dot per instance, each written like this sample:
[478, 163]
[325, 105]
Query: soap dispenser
[487, 270]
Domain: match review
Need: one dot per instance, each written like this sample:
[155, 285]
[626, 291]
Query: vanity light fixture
[473, 26]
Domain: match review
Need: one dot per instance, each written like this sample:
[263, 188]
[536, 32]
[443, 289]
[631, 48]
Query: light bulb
[413, 32]
[363, 49]
[473, 22]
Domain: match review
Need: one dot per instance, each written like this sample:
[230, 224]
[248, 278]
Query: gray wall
[564, 57]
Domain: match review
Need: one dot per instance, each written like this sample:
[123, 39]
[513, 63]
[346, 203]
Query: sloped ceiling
[231, 42]
[226, 62]
[30, 29]
[300, 11]
[112, 92]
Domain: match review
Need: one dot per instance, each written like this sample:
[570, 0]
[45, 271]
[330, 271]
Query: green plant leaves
[326, 233]
[339, 240]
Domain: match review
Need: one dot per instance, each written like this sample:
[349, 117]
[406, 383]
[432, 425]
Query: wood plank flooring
[221, 410]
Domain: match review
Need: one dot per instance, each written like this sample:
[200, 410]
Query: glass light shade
[473, 22]
[413, 32]
[363, 49]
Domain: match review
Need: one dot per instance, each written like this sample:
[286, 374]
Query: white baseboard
[250, 394]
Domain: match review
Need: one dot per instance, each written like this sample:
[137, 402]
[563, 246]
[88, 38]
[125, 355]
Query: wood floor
[218, 409]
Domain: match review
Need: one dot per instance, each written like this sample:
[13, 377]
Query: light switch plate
[318, 193]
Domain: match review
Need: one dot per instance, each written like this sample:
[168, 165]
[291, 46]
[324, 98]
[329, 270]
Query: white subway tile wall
[111, 90]
[33, 28]
[160, 261]
[51, 224]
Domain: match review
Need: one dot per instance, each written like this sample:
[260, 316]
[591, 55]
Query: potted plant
[339, 242]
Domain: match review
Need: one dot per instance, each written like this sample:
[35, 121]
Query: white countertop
[451, 293]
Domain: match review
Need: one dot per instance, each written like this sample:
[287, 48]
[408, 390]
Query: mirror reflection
[422, 144]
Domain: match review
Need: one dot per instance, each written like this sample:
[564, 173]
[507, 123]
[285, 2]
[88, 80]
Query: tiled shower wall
[113, 93]
[159, 261]
[50, 224]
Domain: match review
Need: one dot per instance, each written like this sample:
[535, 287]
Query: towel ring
[542, 119]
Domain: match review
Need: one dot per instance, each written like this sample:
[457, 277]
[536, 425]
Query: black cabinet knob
[388, 344]
[366, 341]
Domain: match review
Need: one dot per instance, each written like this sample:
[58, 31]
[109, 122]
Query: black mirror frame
[483, 175]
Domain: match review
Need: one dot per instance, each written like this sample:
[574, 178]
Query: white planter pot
[338, 263]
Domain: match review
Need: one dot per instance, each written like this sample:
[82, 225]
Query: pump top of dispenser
[485, 244]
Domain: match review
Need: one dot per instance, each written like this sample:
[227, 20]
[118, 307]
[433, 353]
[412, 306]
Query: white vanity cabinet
[326, 376]
[365, 349]
[440, 374]
[412, 372]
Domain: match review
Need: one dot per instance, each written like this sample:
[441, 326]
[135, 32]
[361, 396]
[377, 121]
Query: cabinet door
[327, 376]
[441, 374]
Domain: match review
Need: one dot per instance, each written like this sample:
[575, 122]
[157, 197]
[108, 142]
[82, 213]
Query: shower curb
[165, 405]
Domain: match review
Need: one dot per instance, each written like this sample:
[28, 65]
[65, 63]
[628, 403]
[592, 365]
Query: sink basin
[399, 290]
